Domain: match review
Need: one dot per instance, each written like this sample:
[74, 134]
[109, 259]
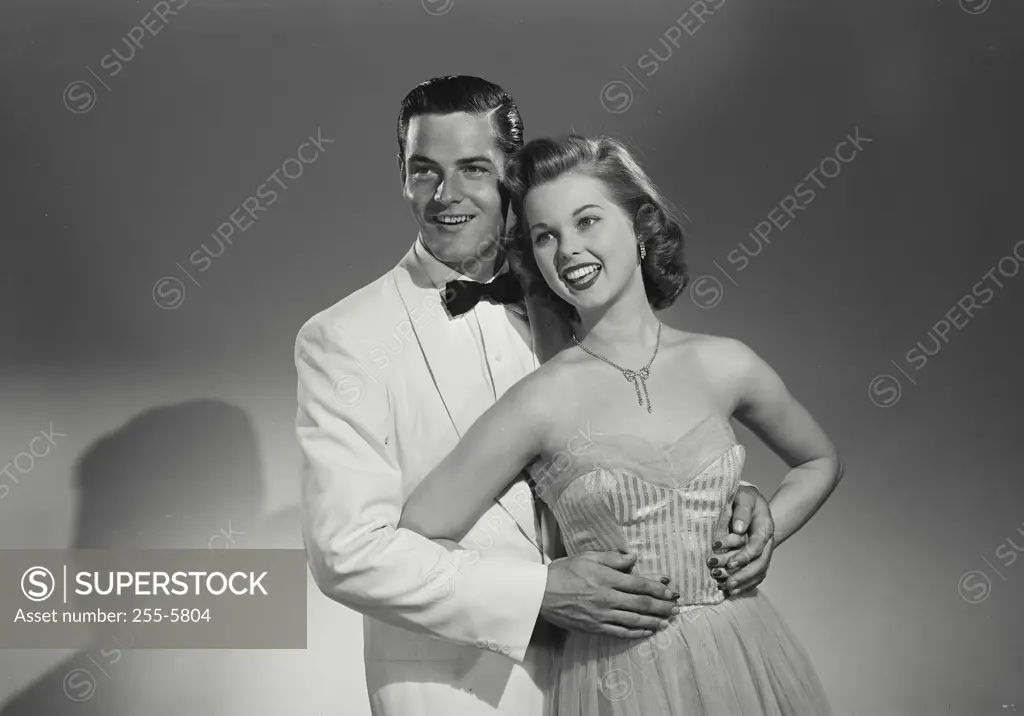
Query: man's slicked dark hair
[462, 93]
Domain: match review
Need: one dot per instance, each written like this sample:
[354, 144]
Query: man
[388, 380]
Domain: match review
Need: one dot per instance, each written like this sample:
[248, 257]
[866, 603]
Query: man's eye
[476, 171]
[422, 171]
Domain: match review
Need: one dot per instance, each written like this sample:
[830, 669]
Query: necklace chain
[637, 377]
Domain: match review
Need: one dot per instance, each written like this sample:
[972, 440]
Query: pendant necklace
[636, 377]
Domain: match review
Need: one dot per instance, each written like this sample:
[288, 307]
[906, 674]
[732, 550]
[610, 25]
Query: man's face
[453, 169]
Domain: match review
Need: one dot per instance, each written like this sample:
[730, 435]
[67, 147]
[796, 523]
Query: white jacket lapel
[453, 364]
[450, 357]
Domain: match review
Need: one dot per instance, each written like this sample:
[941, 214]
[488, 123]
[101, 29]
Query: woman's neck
[625, 332]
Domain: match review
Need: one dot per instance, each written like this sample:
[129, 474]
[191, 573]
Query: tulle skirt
[735, 658]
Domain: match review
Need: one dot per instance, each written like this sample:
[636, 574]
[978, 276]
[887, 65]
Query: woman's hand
[741, 558]
[750, 566]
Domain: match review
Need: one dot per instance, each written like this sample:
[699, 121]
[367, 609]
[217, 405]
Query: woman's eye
[542, 238]
[587, 222]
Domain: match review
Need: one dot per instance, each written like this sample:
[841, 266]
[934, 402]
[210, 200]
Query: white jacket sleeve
[352, 498]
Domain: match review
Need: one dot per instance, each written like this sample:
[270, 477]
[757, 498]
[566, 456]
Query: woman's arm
[765, 406]
[502, 441]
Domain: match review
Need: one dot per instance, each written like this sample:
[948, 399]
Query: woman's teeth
[583, 277]
[452, 220]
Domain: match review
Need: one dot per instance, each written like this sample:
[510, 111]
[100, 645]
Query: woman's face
[582, 241]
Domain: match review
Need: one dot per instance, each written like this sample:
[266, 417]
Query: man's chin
[470, 242]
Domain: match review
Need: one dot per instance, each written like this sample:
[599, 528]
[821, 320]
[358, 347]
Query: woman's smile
[579, 277]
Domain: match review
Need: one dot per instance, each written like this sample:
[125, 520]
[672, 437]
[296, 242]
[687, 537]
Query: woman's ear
[645, 216]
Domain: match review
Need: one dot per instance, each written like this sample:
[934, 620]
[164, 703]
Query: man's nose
[448, 191]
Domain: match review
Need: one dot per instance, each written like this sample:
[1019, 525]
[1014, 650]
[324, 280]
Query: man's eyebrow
[421, 159]
[463, 161]
[475, 160]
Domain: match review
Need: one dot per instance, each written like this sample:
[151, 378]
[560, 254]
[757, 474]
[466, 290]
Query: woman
[664, 462]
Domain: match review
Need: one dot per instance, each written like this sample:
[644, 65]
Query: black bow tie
[460, 296]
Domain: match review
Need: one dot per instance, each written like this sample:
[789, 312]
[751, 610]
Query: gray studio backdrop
[846, 165]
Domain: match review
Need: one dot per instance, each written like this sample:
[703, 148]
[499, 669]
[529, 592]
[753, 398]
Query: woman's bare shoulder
[709, 349]
[723, 361]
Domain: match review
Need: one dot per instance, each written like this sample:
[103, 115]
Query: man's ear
[401, 168]
[510, 223]
[507, 214]
[506, 202]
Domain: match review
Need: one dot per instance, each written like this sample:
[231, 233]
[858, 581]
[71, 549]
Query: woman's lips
[583, 280]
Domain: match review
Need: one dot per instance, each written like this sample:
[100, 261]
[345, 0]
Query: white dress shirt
[501, 333]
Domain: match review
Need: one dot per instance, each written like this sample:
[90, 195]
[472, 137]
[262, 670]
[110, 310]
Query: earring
[643, 251]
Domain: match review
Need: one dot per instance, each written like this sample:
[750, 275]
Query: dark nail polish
[717, 544]
[675, 595]
[713, 562]
[665, 580]
[717, 573]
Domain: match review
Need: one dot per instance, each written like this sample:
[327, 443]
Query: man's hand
[741, 559]
[593, 592]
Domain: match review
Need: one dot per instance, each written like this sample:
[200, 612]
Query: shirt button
[481, 643]
[497, 357]
[493, 646]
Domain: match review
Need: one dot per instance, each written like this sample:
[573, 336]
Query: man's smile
[452, 219]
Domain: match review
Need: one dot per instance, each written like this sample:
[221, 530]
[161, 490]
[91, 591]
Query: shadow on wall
[185, 476]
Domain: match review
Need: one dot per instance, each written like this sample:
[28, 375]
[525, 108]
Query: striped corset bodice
[622, 492]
